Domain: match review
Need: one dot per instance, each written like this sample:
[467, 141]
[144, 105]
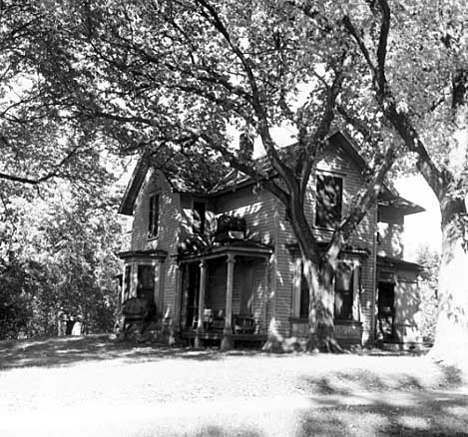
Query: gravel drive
[109, 389]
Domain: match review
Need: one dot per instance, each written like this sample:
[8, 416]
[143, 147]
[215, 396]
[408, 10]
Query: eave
[146, 254]
[247, 249]
[390, 262]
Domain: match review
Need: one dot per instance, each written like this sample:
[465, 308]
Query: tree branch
[400, 121]
[382, 47]
[349, 26]
[263, 128]
[362, 203]
[306, 163]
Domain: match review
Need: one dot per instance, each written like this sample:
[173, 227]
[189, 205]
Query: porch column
[159, 286]
[134, 281]
[201, 302]
[178, 296]
[357, 292]
[226, 342]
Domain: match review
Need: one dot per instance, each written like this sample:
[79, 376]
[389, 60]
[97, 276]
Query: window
[199, 210]
[344, 293]
[329, 194]
[145, 287]
[304, 298]
[153, 223]
[344, 281]
[127, 279]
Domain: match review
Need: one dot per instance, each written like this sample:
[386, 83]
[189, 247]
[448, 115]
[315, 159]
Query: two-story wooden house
[223, 265]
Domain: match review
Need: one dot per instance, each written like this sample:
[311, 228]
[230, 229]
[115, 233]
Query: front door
[386, 311]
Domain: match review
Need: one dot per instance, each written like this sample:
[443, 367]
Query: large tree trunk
[321, 317]
[451, 338]
[319, 272]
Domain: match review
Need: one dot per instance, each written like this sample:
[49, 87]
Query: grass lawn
[95, 386]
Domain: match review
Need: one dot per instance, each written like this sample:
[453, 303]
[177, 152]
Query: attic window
[153, 222]
[328, 201]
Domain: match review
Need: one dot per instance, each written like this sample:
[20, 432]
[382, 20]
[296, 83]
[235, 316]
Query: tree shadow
[364, 403]
[60, 351]
[425, 416]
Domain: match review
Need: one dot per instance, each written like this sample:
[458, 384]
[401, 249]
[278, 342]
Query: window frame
[141, 287]
[302, 292]
[347, 313]
[127, 282]
[153, 215]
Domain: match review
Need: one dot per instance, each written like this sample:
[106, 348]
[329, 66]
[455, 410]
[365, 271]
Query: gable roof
[134, 185]
[236, 180]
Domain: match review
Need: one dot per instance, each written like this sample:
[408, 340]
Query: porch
[224, 295]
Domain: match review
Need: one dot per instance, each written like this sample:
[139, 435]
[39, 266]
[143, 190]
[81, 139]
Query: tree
[58, 257]
[38, 140]
[415, 55]
[172, 76]
[42, 146]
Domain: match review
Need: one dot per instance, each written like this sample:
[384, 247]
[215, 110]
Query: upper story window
[153, 219]
[199, 210]
[329, 197]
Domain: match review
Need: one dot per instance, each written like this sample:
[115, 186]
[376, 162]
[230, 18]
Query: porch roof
[390, 262]
[243, 248]
[150, 253]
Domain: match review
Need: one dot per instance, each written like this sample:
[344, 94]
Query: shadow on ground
[423, 414]
[61, 351]
[357, 380]
[430, 414]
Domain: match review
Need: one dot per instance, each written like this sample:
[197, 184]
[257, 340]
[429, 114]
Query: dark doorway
[386, 311]
[193, 291]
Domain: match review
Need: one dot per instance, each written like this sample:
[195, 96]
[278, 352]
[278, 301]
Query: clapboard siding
[168, 232]
[257, 209]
